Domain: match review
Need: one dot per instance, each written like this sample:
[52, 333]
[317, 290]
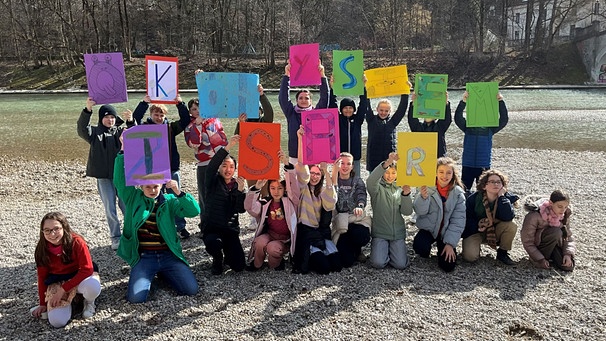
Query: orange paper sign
[258, 154]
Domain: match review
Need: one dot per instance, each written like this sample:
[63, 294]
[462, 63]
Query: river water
[43, 126]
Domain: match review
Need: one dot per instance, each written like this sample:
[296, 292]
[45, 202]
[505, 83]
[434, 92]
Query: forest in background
[465, 38]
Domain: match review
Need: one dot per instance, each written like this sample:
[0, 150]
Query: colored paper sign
[482, 104]
[304, 61]
[225, 94]
[105, 77]
[387, 81]
[348, 72]
[418, 154]
[430, 101]
[146, 159]
[162, 79]
[321, 138]
[258, 153]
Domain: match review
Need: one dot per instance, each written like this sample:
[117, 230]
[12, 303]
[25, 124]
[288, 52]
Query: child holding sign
[440, 215]
[432, 125]
[304, 102]
[389, 202]
[224, 200]
[477, 143]
[382, 130]
[276, 218]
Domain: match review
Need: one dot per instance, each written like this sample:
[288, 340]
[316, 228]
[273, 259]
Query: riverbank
[483, 301]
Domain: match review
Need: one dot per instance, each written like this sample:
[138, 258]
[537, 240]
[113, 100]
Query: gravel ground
[483, 301]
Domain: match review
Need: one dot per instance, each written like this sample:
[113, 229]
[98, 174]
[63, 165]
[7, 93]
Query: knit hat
[105, 110]
[347, 102]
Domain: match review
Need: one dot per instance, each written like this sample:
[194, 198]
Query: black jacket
[438, 126]
[350, 128]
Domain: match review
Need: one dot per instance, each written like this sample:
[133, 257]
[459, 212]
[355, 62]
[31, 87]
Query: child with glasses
[490, 213]
[65, 268]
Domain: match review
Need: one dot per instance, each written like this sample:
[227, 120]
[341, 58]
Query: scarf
[549, 215]
[487, 224]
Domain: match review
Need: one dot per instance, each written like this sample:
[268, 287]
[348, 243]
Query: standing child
[382, 130]
[432, 125]
[205, 136]
[157, 115]
[389, 202]
[350, 224]
[104, 141]
[150, 243]
[546, 234]
[441, 215]
[477, 143]
[276, 218]
[304, 103]
[350, 124]
[65, 268]
[224, 200]
[490, 216]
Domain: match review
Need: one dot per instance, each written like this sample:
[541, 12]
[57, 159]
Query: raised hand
[174, 186]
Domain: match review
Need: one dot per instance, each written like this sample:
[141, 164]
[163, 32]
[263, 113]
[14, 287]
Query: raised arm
[413, 123]
[85, 131]
[284, 94]
[400, 112]
[503, 115]
[268, 110]
[141, 109]
[460, 121]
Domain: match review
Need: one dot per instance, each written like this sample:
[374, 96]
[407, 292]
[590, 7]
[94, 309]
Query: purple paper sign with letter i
[321, 138]
[304, 61]
[105, 77]
[146, 155]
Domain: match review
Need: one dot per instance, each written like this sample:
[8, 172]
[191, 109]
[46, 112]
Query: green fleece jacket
[388, 206]
[139, 208]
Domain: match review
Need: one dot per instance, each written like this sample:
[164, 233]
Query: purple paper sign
[321, 138]
[304, 61]
[105, 77]
[146, 159]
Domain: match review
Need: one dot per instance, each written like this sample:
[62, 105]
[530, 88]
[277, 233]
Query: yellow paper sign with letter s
[387, 81]
[418, 154]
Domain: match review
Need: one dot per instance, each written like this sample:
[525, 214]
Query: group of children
[317, 214]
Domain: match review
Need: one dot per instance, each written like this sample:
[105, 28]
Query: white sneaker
[115, 244]
[413, 218]
[89, 309]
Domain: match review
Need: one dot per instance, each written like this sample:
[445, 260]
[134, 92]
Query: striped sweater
[309, 205]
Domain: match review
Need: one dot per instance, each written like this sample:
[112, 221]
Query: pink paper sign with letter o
[321, 138]
[105, 77]
[304, 61]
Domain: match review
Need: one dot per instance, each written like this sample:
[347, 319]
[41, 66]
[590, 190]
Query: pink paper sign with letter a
[321, 138]
[304, 60]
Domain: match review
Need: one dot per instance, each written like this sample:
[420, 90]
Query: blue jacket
[350, 128]
[293, 115]
[477, 143]
[382, 134]
[437, 126]
[174, 128]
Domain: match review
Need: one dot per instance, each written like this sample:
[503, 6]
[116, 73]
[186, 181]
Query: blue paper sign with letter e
[162, 79]
[146, 155]
[225, 94]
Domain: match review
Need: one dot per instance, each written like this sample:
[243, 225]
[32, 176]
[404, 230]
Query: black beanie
[105, 110]
[347, 102]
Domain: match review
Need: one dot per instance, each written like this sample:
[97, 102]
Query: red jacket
[81, 263]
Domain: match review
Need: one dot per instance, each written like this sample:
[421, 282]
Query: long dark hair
[269, 182]
[317, 188]
[41, 254]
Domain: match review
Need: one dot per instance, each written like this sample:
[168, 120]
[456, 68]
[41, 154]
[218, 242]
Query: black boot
[217, 267]
[503, 256]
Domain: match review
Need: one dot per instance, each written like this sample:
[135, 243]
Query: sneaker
[503, 256]
[413, 218]
[89, 309]
[115, 244]
[184, 233]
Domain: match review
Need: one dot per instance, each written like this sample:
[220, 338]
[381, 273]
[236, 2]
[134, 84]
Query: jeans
[180, 222]
[468, 175]
[108, 194]
[170, 268]
[392, 252]
[422, 245]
